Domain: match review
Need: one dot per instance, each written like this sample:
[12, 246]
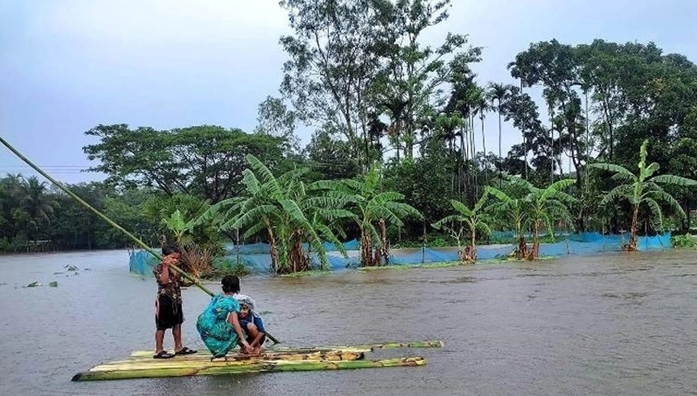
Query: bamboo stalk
[260, 367]
[99, 214]
[271, 353]
[143, 364]
[362, 348]
[315, 355]
[414, 344]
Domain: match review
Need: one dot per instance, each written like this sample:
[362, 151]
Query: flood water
[616, 324]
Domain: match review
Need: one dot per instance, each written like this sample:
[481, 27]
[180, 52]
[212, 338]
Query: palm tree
[475, 219]
[36, 201]
[481, 108]
[643, 188]
[498, 93]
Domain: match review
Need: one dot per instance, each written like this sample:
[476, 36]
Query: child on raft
[251, 323]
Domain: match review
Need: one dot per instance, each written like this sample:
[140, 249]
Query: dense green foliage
[398, 125]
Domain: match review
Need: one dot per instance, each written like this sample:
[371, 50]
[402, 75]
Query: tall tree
[497, 94]
[37, 202]
[555, 67]
[206, 161]
[276, 119]
[331, 65]
[411, 75]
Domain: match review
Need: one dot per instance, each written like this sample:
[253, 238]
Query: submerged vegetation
[399, 154]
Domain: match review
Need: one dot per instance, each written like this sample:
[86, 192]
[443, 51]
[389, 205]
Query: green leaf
[675, 180]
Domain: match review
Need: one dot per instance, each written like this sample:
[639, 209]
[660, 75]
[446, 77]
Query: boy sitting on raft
[251, 323]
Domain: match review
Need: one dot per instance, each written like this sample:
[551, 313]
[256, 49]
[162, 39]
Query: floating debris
[53, 284]
[34, 284]
[72, 267]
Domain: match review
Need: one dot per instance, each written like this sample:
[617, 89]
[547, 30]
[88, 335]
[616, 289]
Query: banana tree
[545, 205]
[643, 188]
[197, 258]
[372, 211]
[509, 209]
[321, 215]
[282, 208]
[179, 227]
[475, 219]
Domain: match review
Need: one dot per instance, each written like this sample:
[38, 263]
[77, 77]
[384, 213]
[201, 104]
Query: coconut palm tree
[643, 188]
[34, 198]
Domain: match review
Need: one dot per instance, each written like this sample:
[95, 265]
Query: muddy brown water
[612, 324]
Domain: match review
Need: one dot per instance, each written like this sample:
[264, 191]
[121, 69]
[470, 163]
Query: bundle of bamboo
[184, 368]
[141, 364]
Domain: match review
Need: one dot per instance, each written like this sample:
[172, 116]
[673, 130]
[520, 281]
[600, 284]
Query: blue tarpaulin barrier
[257, 259]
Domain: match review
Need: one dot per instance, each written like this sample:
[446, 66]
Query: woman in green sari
[219, 325]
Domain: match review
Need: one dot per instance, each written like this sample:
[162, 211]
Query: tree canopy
[401, 124]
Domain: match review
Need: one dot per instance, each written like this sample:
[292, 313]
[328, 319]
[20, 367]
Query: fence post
[237, 245]
[423, 246]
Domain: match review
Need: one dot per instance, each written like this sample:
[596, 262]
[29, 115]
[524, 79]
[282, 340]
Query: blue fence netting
[256, 258]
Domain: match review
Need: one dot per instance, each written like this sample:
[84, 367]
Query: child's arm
[235, 322]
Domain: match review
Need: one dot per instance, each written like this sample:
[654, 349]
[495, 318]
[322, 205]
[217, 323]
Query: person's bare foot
[251, 351]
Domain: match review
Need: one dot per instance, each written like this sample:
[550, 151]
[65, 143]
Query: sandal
[185, 351]
[163, 355]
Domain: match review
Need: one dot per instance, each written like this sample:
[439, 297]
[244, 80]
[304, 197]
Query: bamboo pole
[168, 369]
[197, 358]
[99, 214]
[335, 348]
[102, 216]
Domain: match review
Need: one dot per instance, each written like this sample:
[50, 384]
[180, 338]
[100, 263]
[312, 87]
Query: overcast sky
[68, 65]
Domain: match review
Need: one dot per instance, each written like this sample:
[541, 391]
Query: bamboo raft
[140, 364]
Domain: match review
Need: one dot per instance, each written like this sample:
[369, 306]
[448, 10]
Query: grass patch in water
[444, 264]
[511, 259]
[686, 241]
[448, 264]
[305, 273]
